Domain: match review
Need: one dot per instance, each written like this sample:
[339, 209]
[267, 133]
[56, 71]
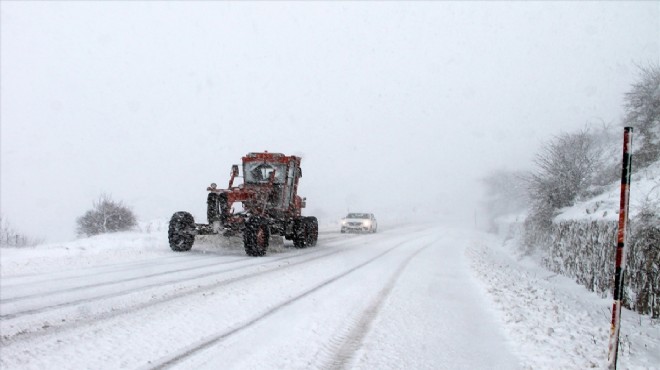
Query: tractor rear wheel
[300, 233]
[256, 236]
[312, 226]
[180, 231]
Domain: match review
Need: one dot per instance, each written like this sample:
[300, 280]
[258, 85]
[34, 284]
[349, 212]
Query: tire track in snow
[189, 351]
[115, 282]
[33, 278]
[110, 268]
[111, 312]
[176, 280]
[345, 345]
[69, 316]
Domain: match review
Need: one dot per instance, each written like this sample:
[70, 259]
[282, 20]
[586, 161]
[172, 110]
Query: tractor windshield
[259, 172]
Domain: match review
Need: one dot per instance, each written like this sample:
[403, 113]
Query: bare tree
[565, 169]
[106, 216]
[642, 105]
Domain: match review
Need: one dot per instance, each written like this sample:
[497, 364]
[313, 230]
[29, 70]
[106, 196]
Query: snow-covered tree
[505, 193]
[642, 105]
[106, 216]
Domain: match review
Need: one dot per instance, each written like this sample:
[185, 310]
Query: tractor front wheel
[216, 207]
[180, 231]
[256, 236]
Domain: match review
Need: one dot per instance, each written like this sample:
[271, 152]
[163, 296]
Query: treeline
[576, 166]
[9, 237]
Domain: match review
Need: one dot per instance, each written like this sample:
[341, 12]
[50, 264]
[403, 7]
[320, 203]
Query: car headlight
[367, 223]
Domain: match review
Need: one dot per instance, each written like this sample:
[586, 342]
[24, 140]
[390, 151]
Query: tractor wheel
[255, 236]
[300, 233]
[180, 232]
[216, 207]
[212, 211]
[312, 228]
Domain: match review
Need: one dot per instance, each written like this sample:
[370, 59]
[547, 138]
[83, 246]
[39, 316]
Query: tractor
[270, 206]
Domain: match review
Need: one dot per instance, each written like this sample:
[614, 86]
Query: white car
[359, 222]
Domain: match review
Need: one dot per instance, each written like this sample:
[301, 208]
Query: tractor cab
[274, 176]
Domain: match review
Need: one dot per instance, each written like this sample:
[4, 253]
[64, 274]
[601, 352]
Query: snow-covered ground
[415, 296]
[554, 322]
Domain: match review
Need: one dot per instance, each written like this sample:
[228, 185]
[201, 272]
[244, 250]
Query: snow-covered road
[402, 298]
[413, 297]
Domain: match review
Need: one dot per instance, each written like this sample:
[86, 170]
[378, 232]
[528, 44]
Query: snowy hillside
[644, 187]
[420, 296]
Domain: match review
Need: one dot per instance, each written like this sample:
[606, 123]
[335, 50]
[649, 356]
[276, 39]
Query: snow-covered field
[414, 297]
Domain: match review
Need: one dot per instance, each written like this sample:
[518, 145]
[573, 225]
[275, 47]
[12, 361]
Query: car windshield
[358, 215]
[259, 172]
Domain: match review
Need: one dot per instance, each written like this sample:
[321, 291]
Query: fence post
[620, 260]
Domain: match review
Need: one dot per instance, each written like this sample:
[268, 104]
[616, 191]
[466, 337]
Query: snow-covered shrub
[585, 251]
[644, 260]
[536, 230]
[106, 216]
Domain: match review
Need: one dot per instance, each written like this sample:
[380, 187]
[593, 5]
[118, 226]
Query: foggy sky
[396, 108]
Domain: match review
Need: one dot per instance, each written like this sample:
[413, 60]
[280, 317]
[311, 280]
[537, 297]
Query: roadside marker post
[620, 261]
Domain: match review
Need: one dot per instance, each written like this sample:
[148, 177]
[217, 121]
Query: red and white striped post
[620, 250]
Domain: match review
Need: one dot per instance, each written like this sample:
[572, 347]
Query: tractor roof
[270, 157]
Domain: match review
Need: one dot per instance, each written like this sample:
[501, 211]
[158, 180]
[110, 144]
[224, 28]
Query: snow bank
[145, 242]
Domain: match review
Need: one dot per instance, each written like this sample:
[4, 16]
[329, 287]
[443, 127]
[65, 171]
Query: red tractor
[271, 206]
